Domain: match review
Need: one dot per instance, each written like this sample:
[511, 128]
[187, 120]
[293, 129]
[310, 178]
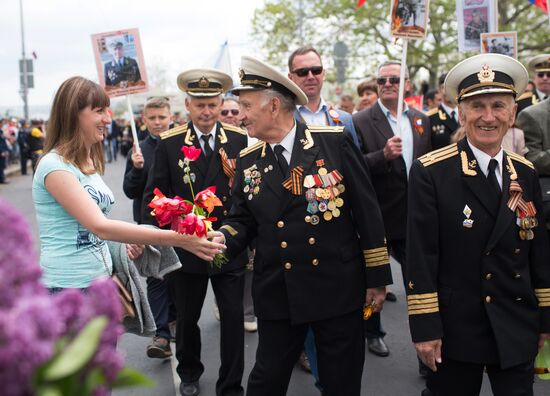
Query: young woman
[72, 200]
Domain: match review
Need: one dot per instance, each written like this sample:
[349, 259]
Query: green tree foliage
[280, 26]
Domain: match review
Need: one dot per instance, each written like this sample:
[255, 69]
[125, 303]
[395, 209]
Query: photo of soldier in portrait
[121, 70]
[504, 43]
[409, 18]
[476, 26]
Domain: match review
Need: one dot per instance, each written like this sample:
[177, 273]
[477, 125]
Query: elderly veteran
[478, 277]
[316, 265]
[220, 145]
[540, 67]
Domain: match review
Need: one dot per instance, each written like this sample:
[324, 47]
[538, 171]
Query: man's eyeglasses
[225, 112]
[304, 71]
[542, 74]
[382, 80]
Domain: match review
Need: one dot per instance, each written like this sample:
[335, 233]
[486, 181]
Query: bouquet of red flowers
[186, 217]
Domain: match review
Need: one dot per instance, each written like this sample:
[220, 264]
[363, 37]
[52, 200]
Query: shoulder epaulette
[431, 112]
[233, 128]
[439, 155]
[173, 132]
[525, 95]
[519, 158]
[325, 128]
[250, 149]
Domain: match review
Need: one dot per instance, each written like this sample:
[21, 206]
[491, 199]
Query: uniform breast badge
[252, 181]
[323, 194]
[418, 127]
[525, 211]
[467, 223]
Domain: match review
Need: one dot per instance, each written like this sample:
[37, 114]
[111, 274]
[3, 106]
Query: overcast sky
[175, 34]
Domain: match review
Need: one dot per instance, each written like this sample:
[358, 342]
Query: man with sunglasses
[306, 70]
[389, 153]
[229, 113]
[539, 66]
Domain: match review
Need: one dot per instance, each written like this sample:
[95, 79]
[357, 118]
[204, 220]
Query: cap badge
[241, 74]
[203, 82]
[486, 74]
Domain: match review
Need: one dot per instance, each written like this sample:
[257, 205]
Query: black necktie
[492, 177]
[453, 115]
[206, 144]
[283, 165]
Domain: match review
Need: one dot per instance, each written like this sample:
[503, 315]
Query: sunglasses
[304, 71]
[542, 74]
[392, 80]
[225, 112]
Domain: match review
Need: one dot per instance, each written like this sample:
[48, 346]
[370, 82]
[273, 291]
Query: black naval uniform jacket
[167, 175]
[443, 127]
[389, 178]
[304, 271]
[482, 289]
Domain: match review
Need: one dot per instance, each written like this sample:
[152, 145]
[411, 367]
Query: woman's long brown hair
[63, 133]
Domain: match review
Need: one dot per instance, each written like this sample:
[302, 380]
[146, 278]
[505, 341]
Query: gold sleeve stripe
[544, 299]
[376, 255]
[422, 301]
[537, 291]
[370, 265]
[375, 250]
[427, 306]
[230, 229]
[378, 259]
[423, 311]
[544, 304]
[421, 296]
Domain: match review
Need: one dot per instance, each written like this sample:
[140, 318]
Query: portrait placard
[119, 61]
[474, 17]
[505, 43]
[409, 18]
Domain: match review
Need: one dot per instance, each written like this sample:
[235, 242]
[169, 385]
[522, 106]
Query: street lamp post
[24, 90]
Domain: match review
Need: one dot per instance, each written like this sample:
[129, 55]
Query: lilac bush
[32, 321]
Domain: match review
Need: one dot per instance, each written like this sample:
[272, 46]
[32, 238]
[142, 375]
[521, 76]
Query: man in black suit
[220, 145]
[304, 193]
[443, 118]
[478, 275]
[389, 152]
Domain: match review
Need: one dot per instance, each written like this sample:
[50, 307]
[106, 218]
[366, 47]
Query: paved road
[395, 375]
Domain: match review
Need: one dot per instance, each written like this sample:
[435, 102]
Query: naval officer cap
[256, 75]
[486, 74]
[202, 83]
[539, 63]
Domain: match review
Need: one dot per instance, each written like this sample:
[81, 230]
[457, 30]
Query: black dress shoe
[378, 347]
[190, 388]
[391, 297]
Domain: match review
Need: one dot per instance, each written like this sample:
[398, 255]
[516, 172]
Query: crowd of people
[315, 198]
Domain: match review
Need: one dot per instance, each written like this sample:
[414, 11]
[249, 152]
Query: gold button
[517, 251]
[225, 212]
[517, 276]
[488, 276]
[488, 299]
[311, 241]
[315, 262]
[280, 224]
[284, 244]
[307, 219]
[288, 266]
[224, 198]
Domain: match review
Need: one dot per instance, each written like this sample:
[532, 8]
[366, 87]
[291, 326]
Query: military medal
[252, 181]
[467, 223]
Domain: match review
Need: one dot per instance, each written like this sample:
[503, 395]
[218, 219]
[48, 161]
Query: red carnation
[191, 152]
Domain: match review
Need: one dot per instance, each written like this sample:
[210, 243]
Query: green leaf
[78, 352]
[48, 390]
[131, 377]
[93, 379]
